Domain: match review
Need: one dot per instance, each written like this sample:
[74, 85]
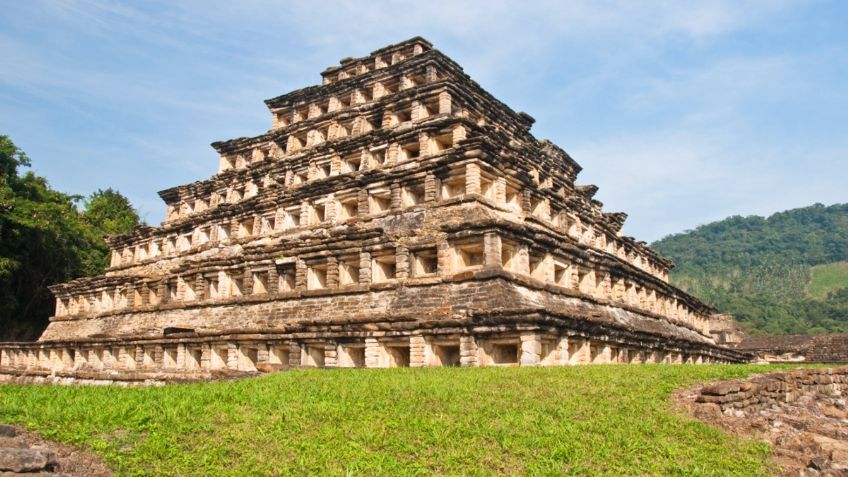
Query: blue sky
[681, 112]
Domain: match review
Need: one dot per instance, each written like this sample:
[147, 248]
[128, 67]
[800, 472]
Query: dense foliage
[759, 268]
[45, 239]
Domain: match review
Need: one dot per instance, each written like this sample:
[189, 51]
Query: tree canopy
[45, 238]
[759, 268]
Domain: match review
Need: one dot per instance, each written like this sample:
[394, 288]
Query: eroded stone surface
[28, 454]
[802, 413]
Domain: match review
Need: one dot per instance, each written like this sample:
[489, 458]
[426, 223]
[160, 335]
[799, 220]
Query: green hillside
[827, 278]
[781, 274]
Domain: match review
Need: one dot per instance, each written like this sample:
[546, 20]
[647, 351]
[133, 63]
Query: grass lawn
[585, 420]
[827, 278]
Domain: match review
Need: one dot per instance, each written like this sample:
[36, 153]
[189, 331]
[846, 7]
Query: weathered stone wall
[828, 348]
[477, 293]
[760, 392]
[801, 413]
[823, 348]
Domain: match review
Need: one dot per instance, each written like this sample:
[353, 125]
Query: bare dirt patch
[61, 459]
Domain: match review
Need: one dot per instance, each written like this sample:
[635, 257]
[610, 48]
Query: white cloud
[181, 75]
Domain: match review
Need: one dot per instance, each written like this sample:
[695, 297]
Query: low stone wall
[113, 377]
[824, 348]
[527, 339]
[759, 392]
[802, 413]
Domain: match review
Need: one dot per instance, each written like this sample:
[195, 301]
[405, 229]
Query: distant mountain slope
[778, 274]
[827, 278]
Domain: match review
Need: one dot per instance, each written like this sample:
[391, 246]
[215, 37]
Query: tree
[107, 212]
[759, 268]
[45, 239]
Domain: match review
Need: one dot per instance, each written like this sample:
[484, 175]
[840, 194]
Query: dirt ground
[69, 460]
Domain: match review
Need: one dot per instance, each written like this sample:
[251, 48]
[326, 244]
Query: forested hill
[787, 273]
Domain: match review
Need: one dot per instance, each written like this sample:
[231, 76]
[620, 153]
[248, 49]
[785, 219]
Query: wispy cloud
[675, 109]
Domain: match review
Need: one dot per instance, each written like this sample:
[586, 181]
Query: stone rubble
[801, 413]
[23, 453]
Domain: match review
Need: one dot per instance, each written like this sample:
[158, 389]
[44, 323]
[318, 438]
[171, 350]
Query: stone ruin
[802, 413]
[395, 215]
[819, 348]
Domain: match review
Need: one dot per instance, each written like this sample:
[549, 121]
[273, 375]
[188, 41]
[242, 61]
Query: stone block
[25, 460]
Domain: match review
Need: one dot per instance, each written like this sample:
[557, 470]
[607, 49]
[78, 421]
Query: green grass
[587, 420]
[827, 278]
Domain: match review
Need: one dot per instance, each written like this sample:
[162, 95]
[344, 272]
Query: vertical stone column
[294, 355]
[417, 348]
[430, 75]
[247, 282]
[379, 90]
[386, 121]
[262, 354]
[110, 357]
[417, 114]
[424, 141]
[158, 357]
[492, 249]
[401, 262]
[233, 226]
[405, 83]
[584, 352]
[139, 356]
[526, 201]
[360, 124]
[331, 356]
[472, 178]
[365, 268]
[500, 189]
[181, 356]
[372, 353]
[232, 356]
[300, 274]
[444, 256]
[336, 160]
[396, 201]
[430, 188]
[392, 154]
[531, 349]
[605, 356]
[331, 206]
[273, 279]
[562, 351]
[205, 356]
[445, 106]
[547, 272]
[362, 206]
[332, 272]
[523, 259]
[468, 351]
[605, 290]
[313, 111]
[459, 133]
